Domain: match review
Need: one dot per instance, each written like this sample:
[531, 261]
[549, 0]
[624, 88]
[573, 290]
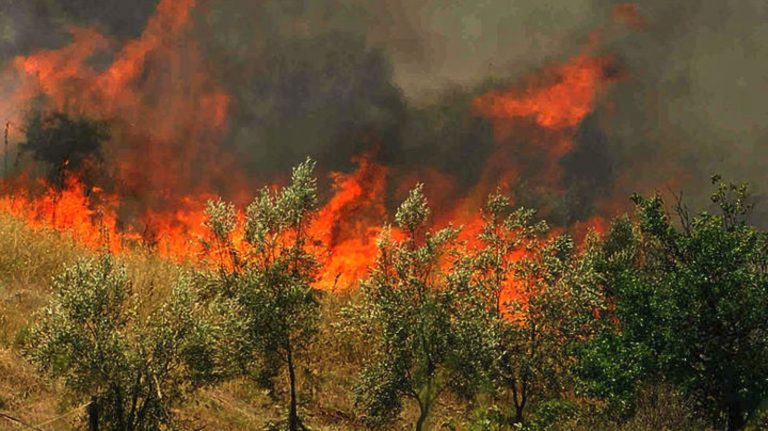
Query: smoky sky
[27, 25]
[330, 78]
[696, 97]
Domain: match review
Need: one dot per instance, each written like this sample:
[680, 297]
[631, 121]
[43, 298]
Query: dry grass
[659, 409]
[25, 394]
[28, 260]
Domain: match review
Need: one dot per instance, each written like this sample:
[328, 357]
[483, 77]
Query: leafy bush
[266, 281]
[691, 307]
[409, 309]
[132, 368]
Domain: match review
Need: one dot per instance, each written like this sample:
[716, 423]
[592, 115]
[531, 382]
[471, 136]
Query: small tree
[535, 300]
[408, 311]
[691, 306]
[133, 370]
[64, 143]
[267, 279]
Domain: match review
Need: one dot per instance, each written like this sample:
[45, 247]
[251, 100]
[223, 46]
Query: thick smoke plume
[569, 106]
[694, 97]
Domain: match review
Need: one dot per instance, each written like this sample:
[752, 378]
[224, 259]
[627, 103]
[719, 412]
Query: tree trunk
[735, 405]
[519, 405]
[518, 415]
[93, 415]
[423, 414]
[736, 421]
[293, 417]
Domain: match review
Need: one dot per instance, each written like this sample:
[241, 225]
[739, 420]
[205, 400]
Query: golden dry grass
[29, 258]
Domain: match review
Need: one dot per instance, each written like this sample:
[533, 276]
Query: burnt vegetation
[64, 143]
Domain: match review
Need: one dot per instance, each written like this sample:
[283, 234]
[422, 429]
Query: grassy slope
[28, 260]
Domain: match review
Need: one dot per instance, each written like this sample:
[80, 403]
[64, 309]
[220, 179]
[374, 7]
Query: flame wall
[569, 107]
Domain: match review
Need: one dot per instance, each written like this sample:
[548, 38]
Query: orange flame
[166, 157]
[563, 104]
[349, 223]
[88, 217]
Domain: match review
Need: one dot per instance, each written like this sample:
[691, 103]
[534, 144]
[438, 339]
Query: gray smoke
[331, 78]
[27, 25]
[695, 102]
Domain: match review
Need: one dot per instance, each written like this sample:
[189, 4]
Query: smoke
[327, 96]
[694, 105]
[334, 78]
[434, 43]
[27, 25]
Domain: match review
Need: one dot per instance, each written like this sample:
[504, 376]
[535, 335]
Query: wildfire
[349, 223]
[558, 107]
[562, 104]
[71, 210]
[166, 157]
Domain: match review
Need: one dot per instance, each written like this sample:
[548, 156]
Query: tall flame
[167, 156]
[349, 223]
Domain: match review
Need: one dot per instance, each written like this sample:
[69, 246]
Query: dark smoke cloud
[695, 102]
[446, 135]
[329, 78]
[328, 96]
[120, 18]
[305, 82]
[26, 25]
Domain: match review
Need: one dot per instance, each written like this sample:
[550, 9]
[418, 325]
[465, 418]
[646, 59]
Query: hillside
[29, 258]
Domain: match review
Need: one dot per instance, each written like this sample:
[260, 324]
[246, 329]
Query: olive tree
[267, 279]
[407, 312]
[65, 144]
[133, 368]
[535, 299]
[690, 295]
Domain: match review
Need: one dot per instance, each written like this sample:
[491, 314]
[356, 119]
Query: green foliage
[133, 368]
[487, 418]
[409, 311]
[661, 323]
[537, 302]
[691, 307]
[267, 281]
[502, 320]
[551, 412]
